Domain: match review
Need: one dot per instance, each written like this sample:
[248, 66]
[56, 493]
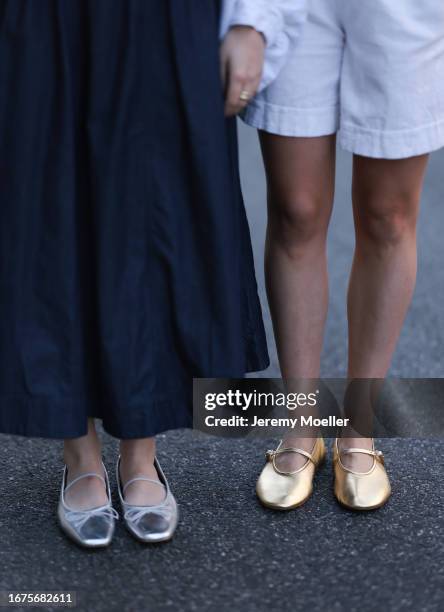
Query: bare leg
[83, 455]
[300, 173]
[386, 196]
[137, 459]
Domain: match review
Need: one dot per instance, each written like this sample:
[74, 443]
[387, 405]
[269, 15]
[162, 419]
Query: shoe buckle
[379, 455]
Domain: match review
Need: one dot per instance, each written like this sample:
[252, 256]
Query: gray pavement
[229, 553]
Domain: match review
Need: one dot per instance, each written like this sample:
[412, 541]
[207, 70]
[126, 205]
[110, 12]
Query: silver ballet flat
[149, 524]
[92, 528]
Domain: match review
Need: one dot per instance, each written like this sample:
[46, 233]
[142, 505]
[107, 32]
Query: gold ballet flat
[286, 490]
[360, 490]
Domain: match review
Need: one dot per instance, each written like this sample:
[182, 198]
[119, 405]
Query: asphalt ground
[229, 553]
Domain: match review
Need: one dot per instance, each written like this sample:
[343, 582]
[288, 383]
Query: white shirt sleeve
[280, 22]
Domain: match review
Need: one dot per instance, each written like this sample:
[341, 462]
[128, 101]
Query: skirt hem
[39, 417]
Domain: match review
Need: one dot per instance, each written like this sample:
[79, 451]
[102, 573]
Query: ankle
[83, 461]
[355, 442]
[138, 453]
[131, 469]
[85, 451]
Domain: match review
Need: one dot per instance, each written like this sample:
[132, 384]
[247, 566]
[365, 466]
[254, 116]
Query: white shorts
[372, 70]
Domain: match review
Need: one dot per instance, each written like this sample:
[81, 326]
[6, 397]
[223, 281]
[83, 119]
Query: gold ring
[244, 95]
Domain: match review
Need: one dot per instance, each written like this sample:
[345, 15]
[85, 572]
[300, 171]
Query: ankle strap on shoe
[364, 451]
[86, 475]
[144, 479]
[272, 454]
[377, 454]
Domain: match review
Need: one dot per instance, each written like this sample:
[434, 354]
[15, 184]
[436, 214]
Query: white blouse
[279, 21]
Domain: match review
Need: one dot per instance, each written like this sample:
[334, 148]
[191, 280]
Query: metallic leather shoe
[361, 490]
[149, 524]
[92, 528]
[286, 490]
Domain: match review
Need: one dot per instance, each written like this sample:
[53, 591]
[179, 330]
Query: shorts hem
[290, 121]
[324, 121]
[392, 144]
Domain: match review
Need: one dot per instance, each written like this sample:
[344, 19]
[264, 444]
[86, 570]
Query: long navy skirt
[125, 258]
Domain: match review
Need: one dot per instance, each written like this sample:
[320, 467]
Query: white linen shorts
[371, 70]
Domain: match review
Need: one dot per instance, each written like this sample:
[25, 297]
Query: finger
[255, 83]
[236, 84]
[252, 86]
[243, 94]
[232, 98]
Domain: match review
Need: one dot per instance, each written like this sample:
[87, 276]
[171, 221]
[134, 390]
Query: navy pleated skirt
[125, 258]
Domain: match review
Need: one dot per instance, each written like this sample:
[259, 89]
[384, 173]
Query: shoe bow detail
[78, 518]
[135, 513]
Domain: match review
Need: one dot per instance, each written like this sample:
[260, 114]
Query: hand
[242, 61]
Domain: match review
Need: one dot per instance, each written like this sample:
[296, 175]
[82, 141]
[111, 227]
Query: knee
[385, 222]
[298, 221]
